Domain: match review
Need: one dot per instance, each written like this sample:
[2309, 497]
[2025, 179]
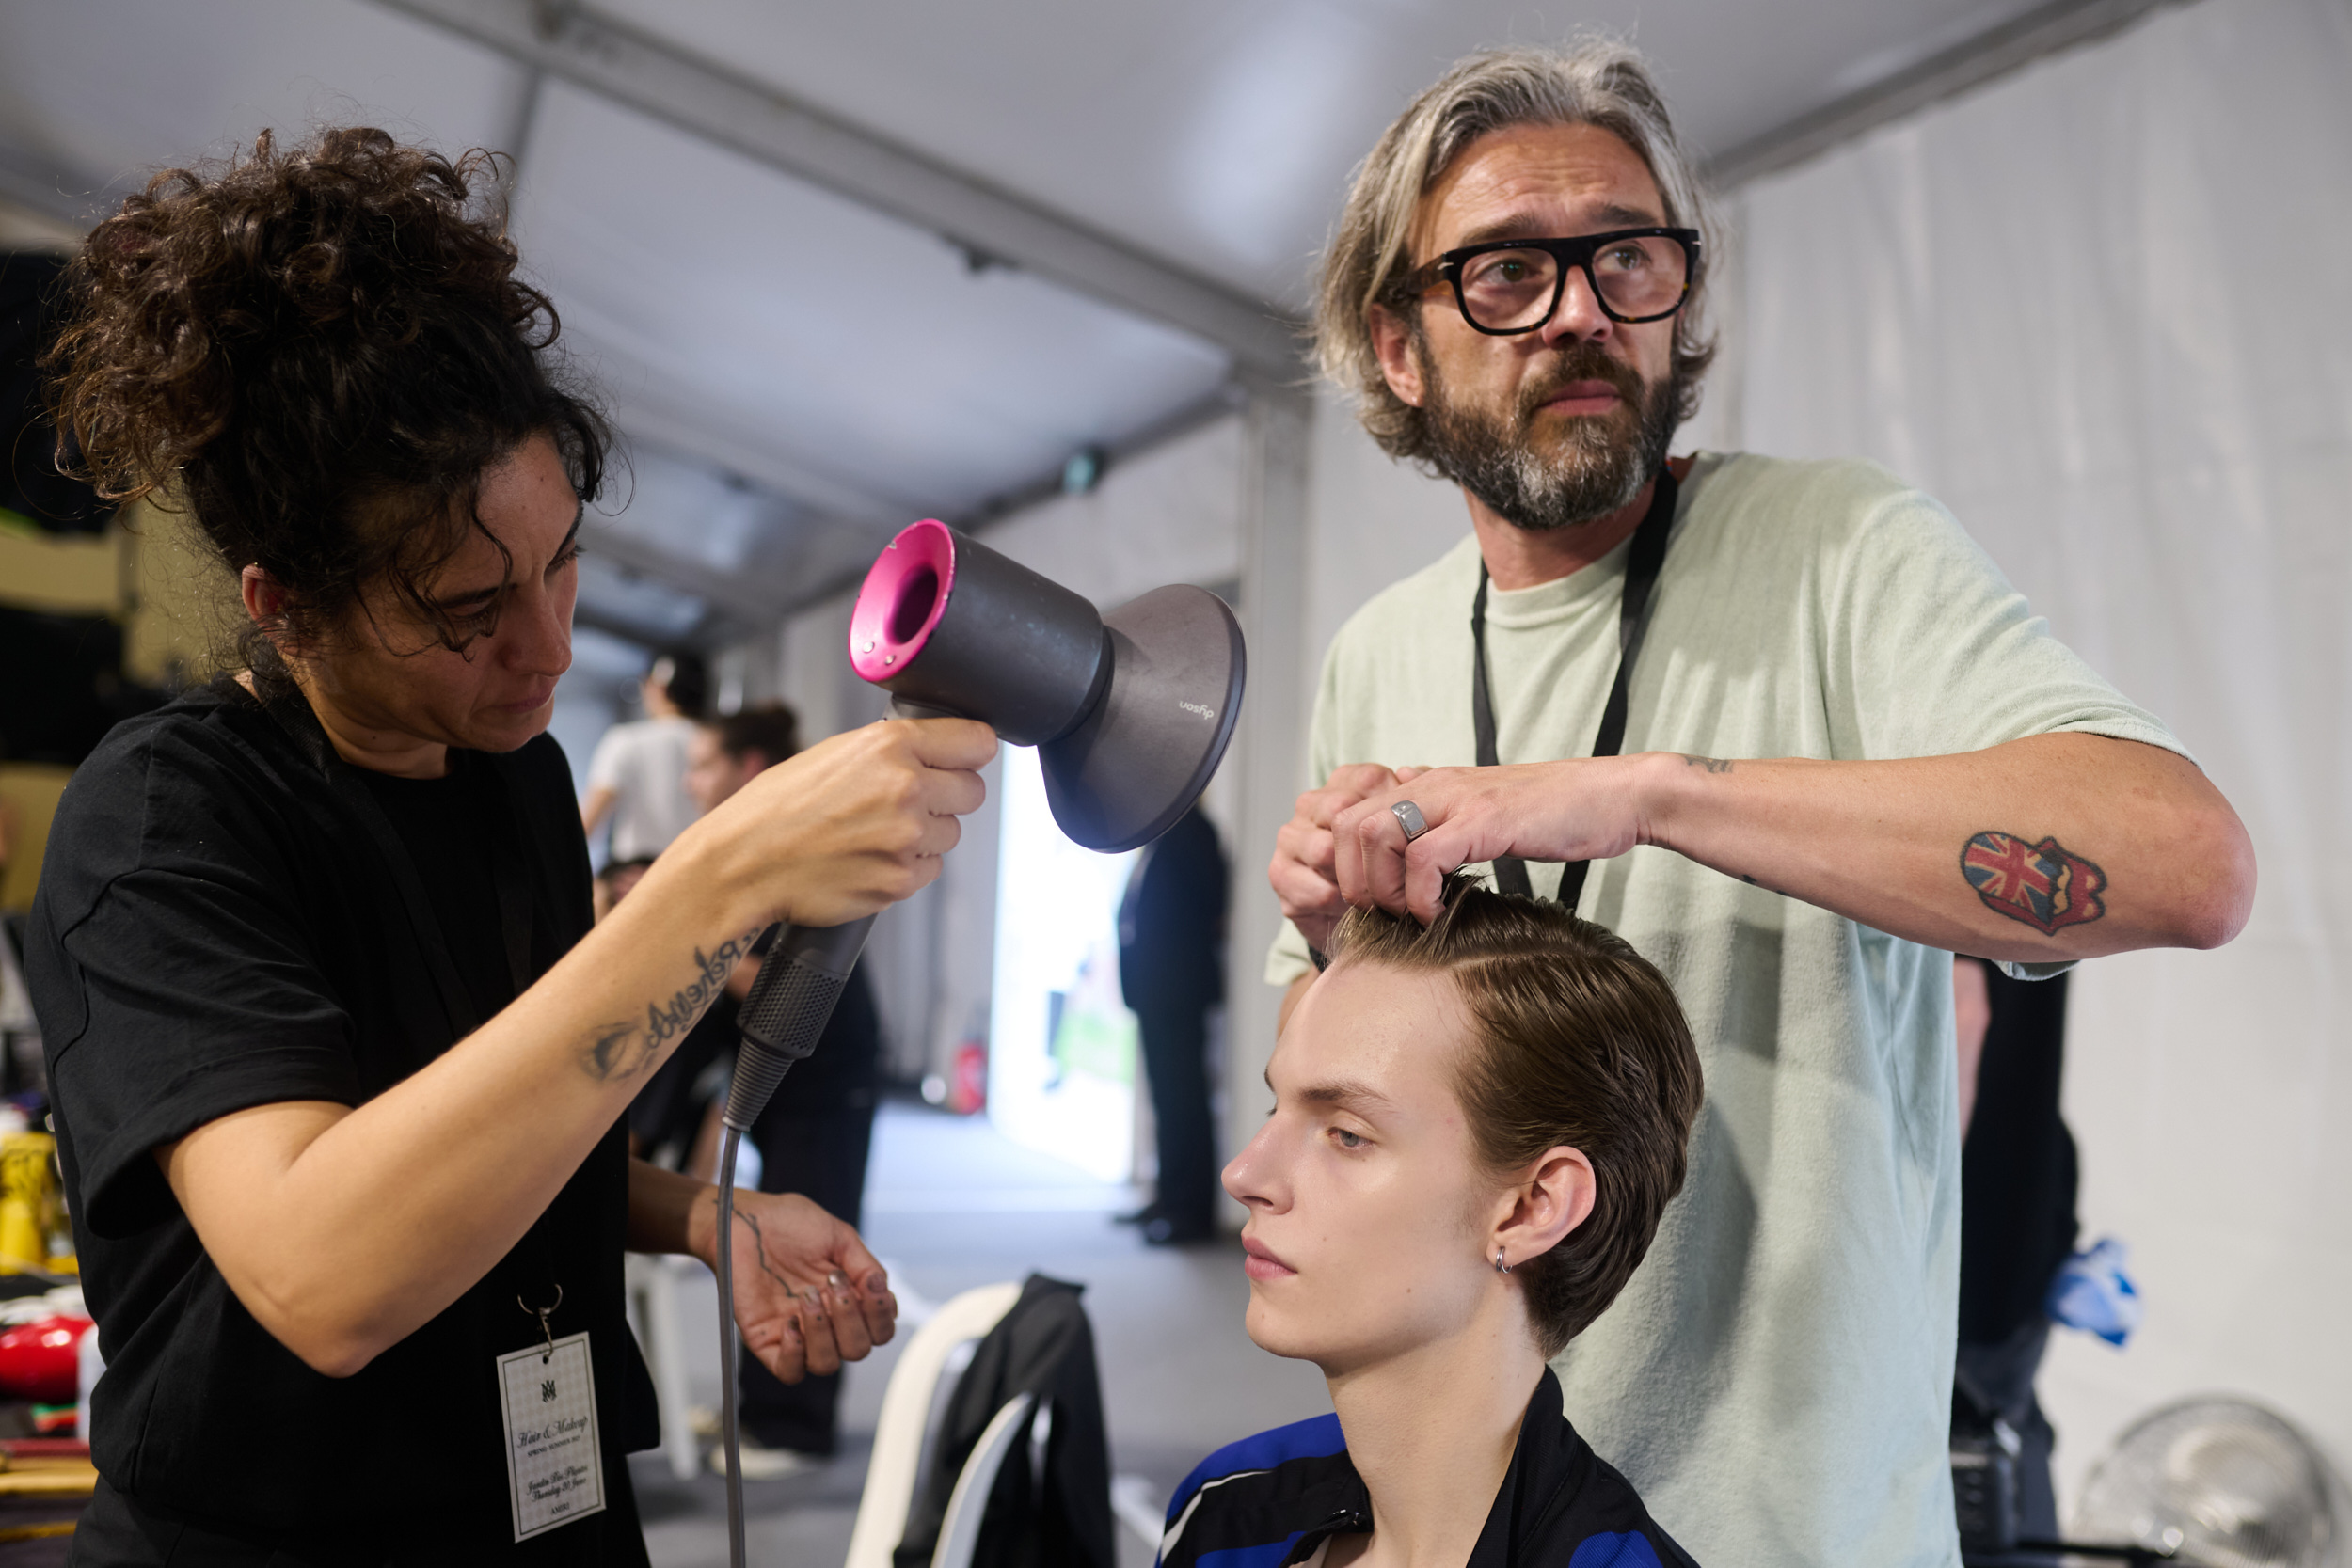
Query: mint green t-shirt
[1776, 1379]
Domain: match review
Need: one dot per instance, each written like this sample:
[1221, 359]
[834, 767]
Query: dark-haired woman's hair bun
[318, 351]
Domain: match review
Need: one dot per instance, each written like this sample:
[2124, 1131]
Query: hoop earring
[1501, 1267]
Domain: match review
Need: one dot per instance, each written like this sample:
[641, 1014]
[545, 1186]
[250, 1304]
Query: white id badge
[554, 1466]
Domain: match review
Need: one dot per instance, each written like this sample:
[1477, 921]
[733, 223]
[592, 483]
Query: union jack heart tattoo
[2046, 885]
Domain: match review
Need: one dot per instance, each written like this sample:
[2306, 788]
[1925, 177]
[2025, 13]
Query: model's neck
[1525, 558]
[1431, 1433]
[377, 748]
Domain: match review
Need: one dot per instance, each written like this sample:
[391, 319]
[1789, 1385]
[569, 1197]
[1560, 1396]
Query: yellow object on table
[28, 1192]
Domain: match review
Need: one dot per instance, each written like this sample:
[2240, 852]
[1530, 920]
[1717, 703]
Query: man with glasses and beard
[1801, 733]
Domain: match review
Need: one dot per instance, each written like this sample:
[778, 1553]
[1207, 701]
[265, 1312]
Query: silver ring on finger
[1410, 816]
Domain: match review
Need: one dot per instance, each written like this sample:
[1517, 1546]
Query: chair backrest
[959, 1532]
[891, 1474]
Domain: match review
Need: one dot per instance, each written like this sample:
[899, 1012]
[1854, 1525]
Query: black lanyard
[1643, 560]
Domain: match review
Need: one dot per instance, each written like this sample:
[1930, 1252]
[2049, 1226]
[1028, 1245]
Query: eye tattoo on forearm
[2046, 885]
[626, 1049]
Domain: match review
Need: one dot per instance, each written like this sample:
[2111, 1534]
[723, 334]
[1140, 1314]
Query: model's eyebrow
[1345, 1094]
[1525, 227]
[483, 595]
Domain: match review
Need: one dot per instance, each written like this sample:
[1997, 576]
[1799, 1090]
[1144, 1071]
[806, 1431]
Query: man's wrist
[1664, 786]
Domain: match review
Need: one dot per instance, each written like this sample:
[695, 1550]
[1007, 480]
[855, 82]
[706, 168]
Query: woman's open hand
[808, 1296]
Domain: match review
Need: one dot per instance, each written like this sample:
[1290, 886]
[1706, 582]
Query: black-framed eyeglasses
[1510, 286]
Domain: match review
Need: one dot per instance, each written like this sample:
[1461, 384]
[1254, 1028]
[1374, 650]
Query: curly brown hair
[318, 351]
[1577, 1040]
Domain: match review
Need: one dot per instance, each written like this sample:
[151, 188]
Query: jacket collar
[1548, 1466]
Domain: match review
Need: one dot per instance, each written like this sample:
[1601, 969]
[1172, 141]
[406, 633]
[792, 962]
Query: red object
[41, 1361]
[44, 1448]
[968, 1094]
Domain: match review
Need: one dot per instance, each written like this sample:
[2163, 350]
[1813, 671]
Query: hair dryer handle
[800, 981]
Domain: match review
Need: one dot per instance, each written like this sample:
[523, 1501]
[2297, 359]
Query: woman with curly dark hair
[338, 1065]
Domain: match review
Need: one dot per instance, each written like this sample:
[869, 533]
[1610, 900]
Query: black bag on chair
[1057, 1516]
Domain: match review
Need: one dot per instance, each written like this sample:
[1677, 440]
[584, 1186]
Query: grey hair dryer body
[1129, 712]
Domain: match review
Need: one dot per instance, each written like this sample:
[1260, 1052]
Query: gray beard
[1595, 465]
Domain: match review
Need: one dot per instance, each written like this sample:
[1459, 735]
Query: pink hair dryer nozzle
[1130, 711]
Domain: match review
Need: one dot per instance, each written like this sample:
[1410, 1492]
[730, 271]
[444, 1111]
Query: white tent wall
[2096, 309]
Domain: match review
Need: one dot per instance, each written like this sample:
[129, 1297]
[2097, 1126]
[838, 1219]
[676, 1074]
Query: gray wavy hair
[1598, 81]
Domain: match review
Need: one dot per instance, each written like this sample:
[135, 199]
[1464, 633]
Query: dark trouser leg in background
[1175, 1059]
[1999, 1378]
[823, 1158]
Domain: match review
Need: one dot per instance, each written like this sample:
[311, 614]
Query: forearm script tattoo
[628, 1048]
[2046, 885]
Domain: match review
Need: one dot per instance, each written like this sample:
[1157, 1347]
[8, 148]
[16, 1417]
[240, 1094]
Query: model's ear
[1400, 364]
[1553, 1199]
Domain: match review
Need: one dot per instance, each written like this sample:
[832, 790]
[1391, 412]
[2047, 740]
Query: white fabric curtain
[2100, 308]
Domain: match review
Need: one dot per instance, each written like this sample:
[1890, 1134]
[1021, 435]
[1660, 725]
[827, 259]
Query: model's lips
[1261, 1264]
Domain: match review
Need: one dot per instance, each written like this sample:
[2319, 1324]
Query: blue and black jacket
[1274, 1499]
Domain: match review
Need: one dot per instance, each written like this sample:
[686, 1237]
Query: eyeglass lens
[1505, 290]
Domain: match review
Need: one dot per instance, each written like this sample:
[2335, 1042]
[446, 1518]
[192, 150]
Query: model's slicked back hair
[1599, 81]
[318, 349]
[1577, 1040]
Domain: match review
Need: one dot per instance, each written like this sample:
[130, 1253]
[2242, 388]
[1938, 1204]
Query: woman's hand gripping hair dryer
[1130, 713]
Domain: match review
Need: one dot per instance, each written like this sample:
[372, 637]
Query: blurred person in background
[2017, 1221]
[815, 1134]
[338, 1065]
[637, 774]
[613, 883]
[1172, 972]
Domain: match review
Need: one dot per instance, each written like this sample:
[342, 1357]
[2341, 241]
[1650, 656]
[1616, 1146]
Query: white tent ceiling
[800, 371]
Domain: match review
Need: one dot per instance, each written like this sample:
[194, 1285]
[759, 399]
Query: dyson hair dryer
[1129, 712]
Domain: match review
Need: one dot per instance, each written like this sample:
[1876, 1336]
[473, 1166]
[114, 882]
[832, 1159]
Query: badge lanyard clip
[544, 1314]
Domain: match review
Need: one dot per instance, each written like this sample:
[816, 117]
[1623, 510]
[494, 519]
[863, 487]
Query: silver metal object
[1410, 814]
[1501, 1267]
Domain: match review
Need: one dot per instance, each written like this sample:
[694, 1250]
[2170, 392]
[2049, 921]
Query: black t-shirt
[221, 923]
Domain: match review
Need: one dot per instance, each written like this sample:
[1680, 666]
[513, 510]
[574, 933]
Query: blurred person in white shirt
[637, 777]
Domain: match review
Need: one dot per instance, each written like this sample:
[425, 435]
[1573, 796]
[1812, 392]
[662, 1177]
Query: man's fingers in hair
[1370, 843]
[1305, 843]
[1428, 861]
[1348, 784]
[1305, 896]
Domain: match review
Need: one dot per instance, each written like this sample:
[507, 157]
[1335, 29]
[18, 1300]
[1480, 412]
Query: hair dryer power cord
[789, 1004]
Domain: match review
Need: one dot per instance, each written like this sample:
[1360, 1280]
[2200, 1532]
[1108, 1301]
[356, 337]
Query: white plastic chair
[960, 1531]
[891, 1475]
[653, 1300]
